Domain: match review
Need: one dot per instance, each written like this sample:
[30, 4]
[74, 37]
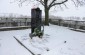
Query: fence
[69, 23]
[11, 22]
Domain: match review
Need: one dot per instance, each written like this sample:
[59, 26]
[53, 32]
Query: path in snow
[9, 46]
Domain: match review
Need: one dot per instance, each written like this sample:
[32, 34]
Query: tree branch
[41, 2]
[45, 2]
[74, 2]
[61, 7]
[53, 4]
[21, 2]
[65, 5]
[78, 2]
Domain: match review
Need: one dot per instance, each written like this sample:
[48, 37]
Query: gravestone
[36, 19]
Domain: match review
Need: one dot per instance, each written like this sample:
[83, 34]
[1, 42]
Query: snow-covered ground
[57, 40]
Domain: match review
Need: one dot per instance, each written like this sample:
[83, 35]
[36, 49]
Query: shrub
[37, 32]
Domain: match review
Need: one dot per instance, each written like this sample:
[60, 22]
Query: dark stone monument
[36, 19]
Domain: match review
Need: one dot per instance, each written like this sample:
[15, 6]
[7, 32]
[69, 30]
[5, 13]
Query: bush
[82, 27]
[37, 32]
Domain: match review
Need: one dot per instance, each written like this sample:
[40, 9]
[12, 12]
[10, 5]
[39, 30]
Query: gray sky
[7, 7]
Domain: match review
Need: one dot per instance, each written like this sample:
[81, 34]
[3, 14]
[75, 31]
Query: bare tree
[50, 3]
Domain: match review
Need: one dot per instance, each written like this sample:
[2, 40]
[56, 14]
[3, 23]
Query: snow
[9, 46]
[57, 40]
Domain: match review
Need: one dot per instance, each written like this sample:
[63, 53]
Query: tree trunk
[46, 16]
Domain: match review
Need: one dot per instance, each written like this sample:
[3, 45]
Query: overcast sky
[7, 7]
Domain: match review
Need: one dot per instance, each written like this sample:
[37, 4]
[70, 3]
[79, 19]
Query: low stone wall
[14, 28]
[12, 22]
[69, 23]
